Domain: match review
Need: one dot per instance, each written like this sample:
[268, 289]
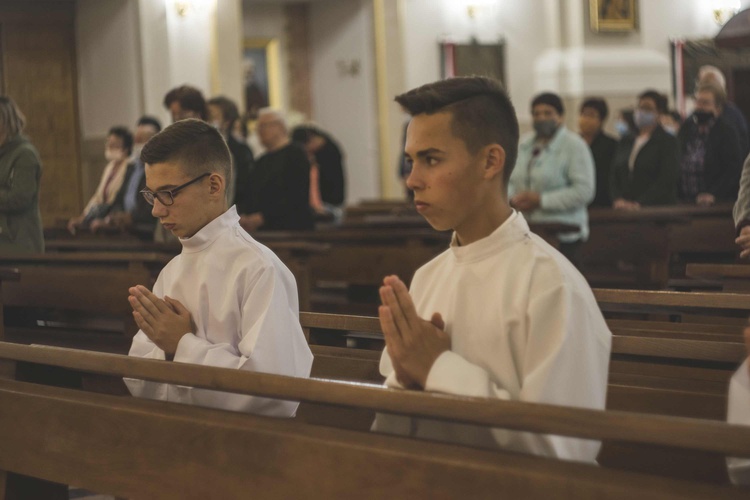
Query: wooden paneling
[39, 73]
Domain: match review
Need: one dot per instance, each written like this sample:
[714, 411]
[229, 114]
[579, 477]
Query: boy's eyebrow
[425, 152]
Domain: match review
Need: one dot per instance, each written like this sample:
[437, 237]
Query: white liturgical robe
[244, 304]
[524, 326]
[739, 413]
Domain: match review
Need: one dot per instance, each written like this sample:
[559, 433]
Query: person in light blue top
[554, 179]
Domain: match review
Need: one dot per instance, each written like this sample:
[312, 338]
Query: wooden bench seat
[136, 448]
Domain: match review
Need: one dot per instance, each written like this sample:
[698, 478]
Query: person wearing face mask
[224, 115]
[117, 151]
[710, 155]
[625, 124]
[129, 211]
[593, 114]
[554, 177]
[671, 122]
[644, 168]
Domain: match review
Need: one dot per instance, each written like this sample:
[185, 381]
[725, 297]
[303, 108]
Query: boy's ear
[494, 161]
[216, 183]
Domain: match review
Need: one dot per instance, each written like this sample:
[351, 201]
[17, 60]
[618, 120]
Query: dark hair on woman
[481, 112]
[597, 104]
[126, 136]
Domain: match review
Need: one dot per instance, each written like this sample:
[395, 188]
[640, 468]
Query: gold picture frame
[261, 76]
[614, 16]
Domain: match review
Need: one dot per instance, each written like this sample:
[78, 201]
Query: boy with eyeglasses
[226, 300]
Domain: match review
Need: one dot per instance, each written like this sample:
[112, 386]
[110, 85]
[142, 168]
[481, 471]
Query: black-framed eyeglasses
[166, 197]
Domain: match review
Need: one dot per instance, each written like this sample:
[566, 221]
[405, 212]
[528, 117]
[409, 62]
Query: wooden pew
[295, 254]
[731, 277]
[87, 290]
[643, 249]
[138, 448]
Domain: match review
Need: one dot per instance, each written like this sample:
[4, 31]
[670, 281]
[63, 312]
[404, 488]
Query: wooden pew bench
[148, 449]
[643, 249]
[83, 294]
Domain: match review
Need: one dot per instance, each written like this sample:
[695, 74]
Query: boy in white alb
[226, 300]
[738, 412]
[509, 316]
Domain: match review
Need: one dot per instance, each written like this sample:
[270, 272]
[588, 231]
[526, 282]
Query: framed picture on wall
[613, 15]
[260, 74]
[473, 59]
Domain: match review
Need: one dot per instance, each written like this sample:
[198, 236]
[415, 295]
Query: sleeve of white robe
[272, 342]
[739, 413]
[565, 363]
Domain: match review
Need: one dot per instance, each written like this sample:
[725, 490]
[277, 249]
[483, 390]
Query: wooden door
[38, 71]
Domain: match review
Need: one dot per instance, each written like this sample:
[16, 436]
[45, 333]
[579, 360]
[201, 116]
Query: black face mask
[703, 117]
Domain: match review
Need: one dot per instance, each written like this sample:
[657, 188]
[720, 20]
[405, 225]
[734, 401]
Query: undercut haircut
[12, 121]
[481, 113]
[126, 136]
[194, 145]
[190, 99]
[597, 104]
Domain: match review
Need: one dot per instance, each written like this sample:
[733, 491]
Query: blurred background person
[280, 182]
[644, 168]
[554, 177]
[625, 124]
[591, 119]
[224, 115]
[710, 154]
[671, 122]
[117, 151]
[730, 112]
[327, 160]
[186, 102]
[20, 176]
[130, 211]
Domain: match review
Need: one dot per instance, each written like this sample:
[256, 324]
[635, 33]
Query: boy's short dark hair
[149, 120]
[190, 99]
[659, 99]
[549, 99]
[124, 134]
[194, 144]
[597, 104]
[481, 110]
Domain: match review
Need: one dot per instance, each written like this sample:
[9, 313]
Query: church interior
[378, 318]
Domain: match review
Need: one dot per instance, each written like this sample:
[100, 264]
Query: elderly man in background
[731, 113]
[279, 187]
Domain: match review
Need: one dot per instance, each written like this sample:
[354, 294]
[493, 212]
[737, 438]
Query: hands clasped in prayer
[743, 240]
[413, 343]
[165, 321]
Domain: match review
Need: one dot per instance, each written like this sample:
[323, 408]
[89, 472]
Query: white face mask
[113, 154]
